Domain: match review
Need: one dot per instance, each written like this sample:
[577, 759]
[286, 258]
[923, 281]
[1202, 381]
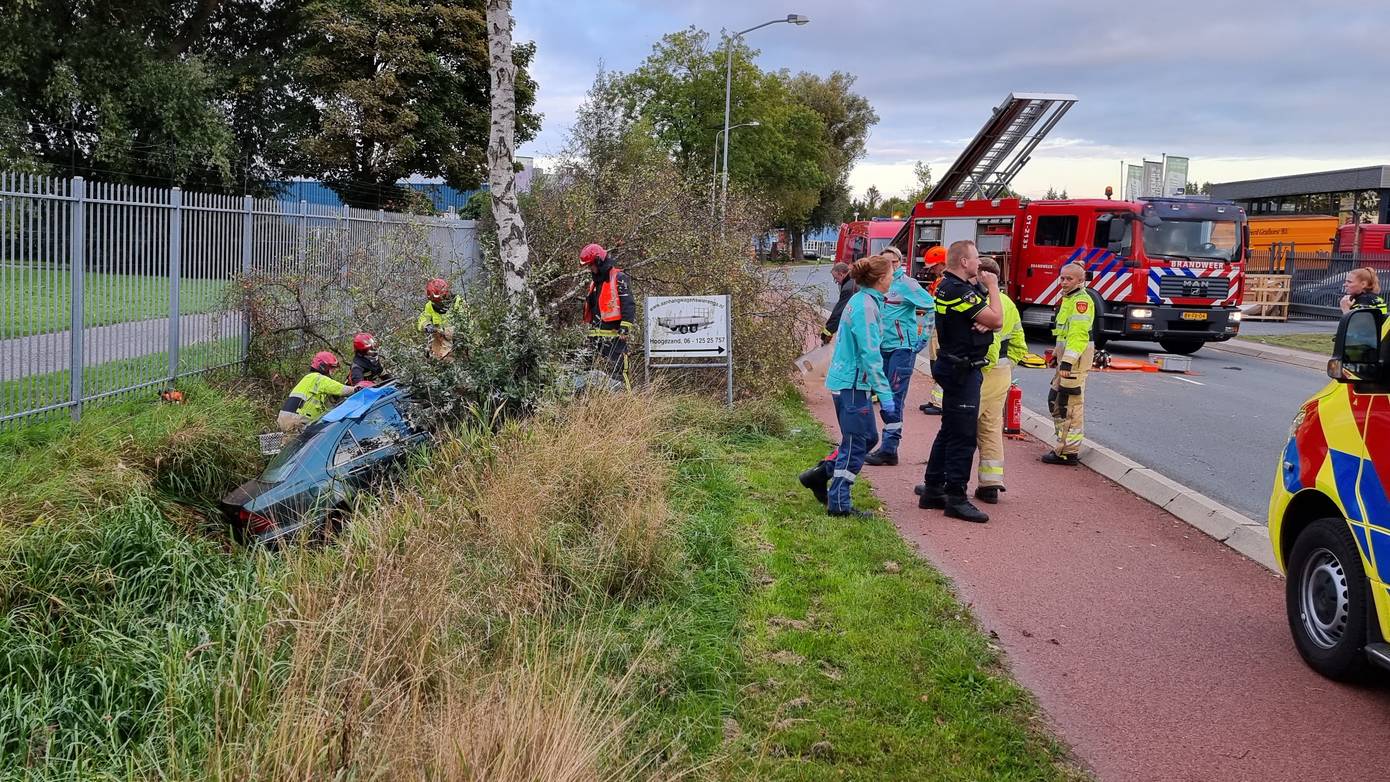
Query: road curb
[1298, 358]
[1239, 532]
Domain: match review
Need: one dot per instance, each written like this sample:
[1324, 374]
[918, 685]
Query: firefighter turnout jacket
[1009, 342]
[436, 314]
[609, 307]
[314, 394]
[1075, 317]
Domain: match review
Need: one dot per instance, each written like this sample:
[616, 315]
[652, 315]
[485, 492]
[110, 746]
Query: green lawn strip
[791, 649]
[1320, 343]
[37, 391]
[38, 301]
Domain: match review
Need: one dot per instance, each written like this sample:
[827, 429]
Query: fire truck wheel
[1325, 598]
[1182, 347]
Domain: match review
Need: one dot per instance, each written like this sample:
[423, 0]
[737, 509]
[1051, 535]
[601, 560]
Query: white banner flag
[1174, 176]
[1153, 178]
[1134, 182]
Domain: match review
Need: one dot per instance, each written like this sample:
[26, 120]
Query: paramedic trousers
[989, 435]
[953, 451]
[897, 366]
[1066, 402]
[858, 435]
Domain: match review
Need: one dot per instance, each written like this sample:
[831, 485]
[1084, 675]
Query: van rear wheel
[1182, 347]
[1325, 598]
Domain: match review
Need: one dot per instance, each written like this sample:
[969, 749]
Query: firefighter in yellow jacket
[314, 394]
[1008, 349]
[1074, 353]
[610, 310]
[434, 318]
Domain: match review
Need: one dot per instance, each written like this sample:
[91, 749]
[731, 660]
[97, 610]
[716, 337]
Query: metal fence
[107, 289]
[1315, 284]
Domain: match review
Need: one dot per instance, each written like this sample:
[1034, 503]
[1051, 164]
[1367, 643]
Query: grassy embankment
[1320, 343]
[42, 299]
[544, 603]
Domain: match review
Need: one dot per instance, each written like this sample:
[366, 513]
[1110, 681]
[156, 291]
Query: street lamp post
[796, 19]
[714, 180]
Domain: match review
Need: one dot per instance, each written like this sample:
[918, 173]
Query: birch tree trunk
[501, 153]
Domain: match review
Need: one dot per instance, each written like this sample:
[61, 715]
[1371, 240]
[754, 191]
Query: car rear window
[287, 460]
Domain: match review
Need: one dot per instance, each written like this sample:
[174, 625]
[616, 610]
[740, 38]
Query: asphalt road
[1219, 429]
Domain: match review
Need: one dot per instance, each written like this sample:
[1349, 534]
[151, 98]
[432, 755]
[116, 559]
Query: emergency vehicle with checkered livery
[1166, 270]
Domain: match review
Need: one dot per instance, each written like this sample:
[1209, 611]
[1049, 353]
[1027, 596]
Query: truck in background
[1166, 270]
[1367, 241]
[862, 238]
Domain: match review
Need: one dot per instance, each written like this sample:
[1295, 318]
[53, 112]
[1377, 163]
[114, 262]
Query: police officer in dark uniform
[966, 316]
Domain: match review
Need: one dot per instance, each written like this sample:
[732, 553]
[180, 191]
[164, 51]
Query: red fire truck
[1166, 270]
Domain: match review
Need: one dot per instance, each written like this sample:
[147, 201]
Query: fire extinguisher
[1013, 410]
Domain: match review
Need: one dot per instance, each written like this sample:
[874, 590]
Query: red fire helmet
[592, 253]
[324, 361]
[437, 289]
[363, 342]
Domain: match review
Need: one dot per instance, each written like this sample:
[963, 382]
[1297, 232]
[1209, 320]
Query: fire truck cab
[1166, 270]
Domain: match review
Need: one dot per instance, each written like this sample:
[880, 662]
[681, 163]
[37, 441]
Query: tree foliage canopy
[240, 93]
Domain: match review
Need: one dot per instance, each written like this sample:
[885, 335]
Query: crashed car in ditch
[309, 485]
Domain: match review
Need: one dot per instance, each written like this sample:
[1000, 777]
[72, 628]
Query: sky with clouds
[1246, 89]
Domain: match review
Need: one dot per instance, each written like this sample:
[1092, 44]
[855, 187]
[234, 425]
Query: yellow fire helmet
[1033, 360]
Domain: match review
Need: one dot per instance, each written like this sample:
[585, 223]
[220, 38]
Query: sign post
[695, 328]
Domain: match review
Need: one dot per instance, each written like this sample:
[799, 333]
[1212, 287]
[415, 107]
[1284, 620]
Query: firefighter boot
[987, 494]
[879, 458]
[1052, 457]
[931, 497]
[817, 479]
[958, 507]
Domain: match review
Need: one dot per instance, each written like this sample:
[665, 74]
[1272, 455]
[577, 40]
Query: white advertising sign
[1153, 178]
[1174, 175]
[689, 326]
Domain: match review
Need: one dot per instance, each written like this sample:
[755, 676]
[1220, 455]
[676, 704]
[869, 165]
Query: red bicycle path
[1156, 652]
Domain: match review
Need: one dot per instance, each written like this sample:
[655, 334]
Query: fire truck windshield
[876, 245]
[1217, 240]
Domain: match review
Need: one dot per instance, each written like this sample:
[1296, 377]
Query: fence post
[77, 264]
[301, 235]
[246, 218]
[175, 272]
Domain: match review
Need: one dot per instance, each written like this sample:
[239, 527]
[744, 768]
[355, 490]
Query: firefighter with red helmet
[366, 360]
[434, 318]
[610, 310]
[314, 394]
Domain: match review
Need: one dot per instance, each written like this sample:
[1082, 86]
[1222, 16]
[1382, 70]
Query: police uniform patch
[1082, 306]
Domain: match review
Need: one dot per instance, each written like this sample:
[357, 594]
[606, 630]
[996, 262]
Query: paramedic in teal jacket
[855, 375]
[903, 337]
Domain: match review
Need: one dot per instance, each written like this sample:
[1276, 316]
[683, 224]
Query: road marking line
[1186, 380]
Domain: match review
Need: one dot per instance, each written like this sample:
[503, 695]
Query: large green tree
[240, 93]
[845, 121]
[809, 129]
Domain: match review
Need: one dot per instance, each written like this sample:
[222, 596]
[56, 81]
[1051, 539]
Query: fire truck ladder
[1002, 147]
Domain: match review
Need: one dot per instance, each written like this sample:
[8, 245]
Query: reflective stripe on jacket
[1075, 317]
[1011, 332]
[1370, 301]
[316, 393]
[858, 359]
[900, 322]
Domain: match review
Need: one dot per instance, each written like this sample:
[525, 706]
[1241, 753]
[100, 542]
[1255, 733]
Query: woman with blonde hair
[856, 374]
[1362, 289]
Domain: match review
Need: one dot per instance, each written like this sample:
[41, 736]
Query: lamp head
[798, 19]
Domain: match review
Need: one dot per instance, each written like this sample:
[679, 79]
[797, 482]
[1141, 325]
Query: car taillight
[255, 522]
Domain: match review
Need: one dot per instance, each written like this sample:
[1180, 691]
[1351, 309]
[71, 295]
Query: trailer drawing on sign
[693, 329]
[686, 322]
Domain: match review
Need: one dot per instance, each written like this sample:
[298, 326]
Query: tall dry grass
[430, 644]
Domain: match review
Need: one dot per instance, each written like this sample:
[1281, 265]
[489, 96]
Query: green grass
[795, 651]
[1320, 343]
[35, 301]
[37, 391]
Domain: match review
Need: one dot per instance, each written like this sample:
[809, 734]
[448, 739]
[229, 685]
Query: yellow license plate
[1194, 316]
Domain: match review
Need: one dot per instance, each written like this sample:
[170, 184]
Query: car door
[369, 445]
